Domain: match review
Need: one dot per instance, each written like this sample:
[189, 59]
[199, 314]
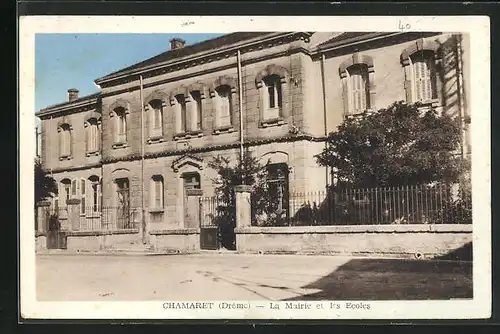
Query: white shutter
[358, 90]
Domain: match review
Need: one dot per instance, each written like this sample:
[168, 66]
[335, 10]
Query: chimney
[72, 94]
[176, 43]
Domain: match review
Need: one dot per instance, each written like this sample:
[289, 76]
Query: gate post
[193, 208]
[42, 219]
[243, 206]
[73, 214]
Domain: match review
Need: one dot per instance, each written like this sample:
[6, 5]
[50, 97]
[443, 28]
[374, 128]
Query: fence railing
[92, 219]
[211, 210]
[419, 204]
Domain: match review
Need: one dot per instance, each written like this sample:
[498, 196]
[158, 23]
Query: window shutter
[73, 187]
[345, 95]
[83, 185]
[158, 193]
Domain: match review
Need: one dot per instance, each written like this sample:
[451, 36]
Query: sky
[64, 61]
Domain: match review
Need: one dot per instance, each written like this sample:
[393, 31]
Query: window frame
[157, 184]
[65, 132]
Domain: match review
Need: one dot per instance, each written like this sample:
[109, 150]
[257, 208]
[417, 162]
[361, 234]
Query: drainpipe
[323, 83]
[143, 216]
[240, 100]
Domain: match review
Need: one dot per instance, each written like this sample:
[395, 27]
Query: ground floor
[114, 195]
[215, 276]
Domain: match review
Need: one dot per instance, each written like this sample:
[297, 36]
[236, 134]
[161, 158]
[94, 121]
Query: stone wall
[413, 241]
[176, 241]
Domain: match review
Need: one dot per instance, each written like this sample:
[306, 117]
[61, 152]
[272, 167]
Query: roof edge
[194, 56]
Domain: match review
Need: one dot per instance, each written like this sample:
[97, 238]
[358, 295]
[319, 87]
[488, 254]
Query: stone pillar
[73, 214]
[43, 216]
[193, 208]
[243, 206]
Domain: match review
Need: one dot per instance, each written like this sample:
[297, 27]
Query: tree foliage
[248, 171]
[45, 186]
[398, 145]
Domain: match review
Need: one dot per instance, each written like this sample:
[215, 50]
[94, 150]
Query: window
[156, 119]
[224, 106]
[358, 89]
[65, 141]
[92, 135]
[181, 113]
[83, 184]
[121, 125]
[191, 180]
[156, 192]
[422, 76]
[66, 190]
[197, 112]
[94, 193]
[277, 183]
[273, 97]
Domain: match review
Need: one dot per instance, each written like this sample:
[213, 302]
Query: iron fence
[92, 219]
[418, 204]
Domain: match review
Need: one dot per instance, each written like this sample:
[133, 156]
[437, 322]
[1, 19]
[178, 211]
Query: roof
[209, 44]
[350, 37]
[68, 103]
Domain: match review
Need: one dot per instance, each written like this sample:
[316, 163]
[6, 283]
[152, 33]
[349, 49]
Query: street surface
[216, 276]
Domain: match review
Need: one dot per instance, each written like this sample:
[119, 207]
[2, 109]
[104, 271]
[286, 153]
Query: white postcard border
[479, 29]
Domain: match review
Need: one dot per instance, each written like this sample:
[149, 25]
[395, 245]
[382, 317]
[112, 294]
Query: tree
[45, 186]
[398, 145]
[248, 171]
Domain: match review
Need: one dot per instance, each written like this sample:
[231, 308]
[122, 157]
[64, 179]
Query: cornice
[206, 58]
[67, 109]
[248, 143]
[180, 78]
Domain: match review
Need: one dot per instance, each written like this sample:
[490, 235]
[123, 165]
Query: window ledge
[272, 122]
[119, 145]
[92, 153]
[155, 139]
[223, 129]
[156, 210]
[189, 135]
[434, 103]
[94, 215]
[65, 157]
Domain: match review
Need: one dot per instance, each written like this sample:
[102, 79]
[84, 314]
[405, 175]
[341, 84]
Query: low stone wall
[420, 241]
[179, 241]
[90, 241]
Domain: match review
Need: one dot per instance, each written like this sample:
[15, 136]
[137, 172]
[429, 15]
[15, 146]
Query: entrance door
[123, 209]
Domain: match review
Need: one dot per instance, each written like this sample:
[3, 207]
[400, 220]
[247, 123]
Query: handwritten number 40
[404, 26]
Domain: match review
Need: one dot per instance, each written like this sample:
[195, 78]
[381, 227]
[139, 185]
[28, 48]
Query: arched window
[181, 113]
[95, 193]
[225, 105]
[155, 119]
[358, 86]
[273, 97]
[120, 125]
[357, 75]
[65, 192]
[92, 135]
[423, 76]
[419, 61]
[156, 192]
[65, 141]
[197, 115]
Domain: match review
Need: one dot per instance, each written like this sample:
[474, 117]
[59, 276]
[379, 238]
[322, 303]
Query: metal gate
[56, 239]
[209, 229]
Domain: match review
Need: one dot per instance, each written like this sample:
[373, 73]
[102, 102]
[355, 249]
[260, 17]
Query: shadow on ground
[463, 253]
[394, 279]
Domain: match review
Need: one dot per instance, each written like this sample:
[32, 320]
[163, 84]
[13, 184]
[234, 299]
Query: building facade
[279, 93]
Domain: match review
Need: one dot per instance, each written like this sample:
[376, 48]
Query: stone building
[291, 88]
